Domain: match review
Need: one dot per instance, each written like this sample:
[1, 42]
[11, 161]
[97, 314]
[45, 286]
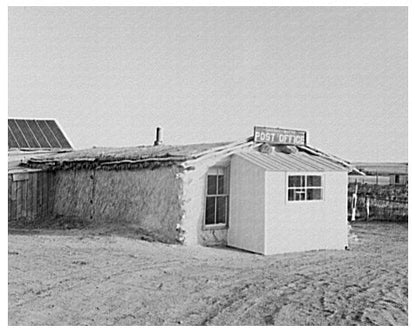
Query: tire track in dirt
[136, 283]
[306, 286]
[80, 277]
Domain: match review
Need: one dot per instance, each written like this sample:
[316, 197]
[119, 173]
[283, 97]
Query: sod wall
[145, 199]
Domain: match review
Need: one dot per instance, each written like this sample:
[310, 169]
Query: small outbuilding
[287, 202]
[270, 193]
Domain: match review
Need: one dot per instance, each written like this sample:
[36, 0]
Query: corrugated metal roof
[35, 134]
[294, 162]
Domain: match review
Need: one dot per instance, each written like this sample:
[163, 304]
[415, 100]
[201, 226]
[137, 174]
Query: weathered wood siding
[30, 196]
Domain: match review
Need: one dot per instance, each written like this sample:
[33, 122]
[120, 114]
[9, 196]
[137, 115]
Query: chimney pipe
[158, 136]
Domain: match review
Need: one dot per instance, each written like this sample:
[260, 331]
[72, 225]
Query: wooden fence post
[354, 202]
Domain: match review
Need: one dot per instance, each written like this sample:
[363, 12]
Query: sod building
[270, 193]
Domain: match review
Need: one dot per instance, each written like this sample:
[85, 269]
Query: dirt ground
[76, 278]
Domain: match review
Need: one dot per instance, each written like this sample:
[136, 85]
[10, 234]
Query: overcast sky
[110, 75]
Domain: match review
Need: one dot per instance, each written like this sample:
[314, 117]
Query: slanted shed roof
[16, 158]
[293, 162]
[36, 134]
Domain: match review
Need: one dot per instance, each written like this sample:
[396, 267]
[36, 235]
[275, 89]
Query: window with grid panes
[216, 208]
[305, 188]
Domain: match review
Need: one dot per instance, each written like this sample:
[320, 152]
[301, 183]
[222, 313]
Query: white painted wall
[193, 196]
[246, 219]
[305, 225]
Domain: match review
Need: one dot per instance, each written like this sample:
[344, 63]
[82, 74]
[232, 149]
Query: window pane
[299, 195]
[221, 184]
[314, 181]
[296, 181]
[221, 210]
[314, 194]
[212, 184]
[291, 194]
[210, 211]
[296, 195]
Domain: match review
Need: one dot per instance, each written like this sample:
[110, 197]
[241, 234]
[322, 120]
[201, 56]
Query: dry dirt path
[79, 279]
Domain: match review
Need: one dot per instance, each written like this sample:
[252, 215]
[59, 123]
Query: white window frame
[306, 174]
[217, 170]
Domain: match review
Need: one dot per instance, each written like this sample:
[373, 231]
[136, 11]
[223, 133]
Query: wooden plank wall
[31, 196]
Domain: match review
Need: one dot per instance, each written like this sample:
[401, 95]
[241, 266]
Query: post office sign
[279, 136]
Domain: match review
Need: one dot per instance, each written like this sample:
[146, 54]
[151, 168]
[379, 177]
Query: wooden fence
[31, 195]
